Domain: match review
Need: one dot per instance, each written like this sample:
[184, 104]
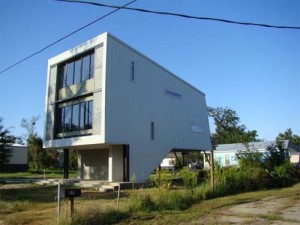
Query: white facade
[140, 111]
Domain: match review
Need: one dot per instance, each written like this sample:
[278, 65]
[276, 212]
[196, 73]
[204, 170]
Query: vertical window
[62, 75]
[91, 73]
[86, 67]
[75, 117]
[76, 71]
[67, 118]
[132, 72]
[69, 75]
[88, 123]
[152, 130]
[82, 115]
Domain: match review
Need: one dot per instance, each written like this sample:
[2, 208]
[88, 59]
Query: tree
[6, 140]
[228, 129]
[36, 153]
[30, 126]
[276, 156]
[38, 157]
[288, 135]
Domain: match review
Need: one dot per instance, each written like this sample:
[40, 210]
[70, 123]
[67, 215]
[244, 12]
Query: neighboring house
[168, 162]
[122, 111]
[185, 157]
[294, 154]
[225, 154]
[18, 160]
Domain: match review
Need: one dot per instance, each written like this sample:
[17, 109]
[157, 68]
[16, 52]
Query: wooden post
[71, 206]
[212, 179]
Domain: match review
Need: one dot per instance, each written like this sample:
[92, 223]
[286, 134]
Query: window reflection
[76, 117]
[76, 71]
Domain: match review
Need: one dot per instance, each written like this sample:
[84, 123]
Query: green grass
[35, 205]
[55, 174]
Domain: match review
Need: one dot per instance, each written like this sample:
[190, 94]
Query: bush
[162, 179]
[190, 178]
[94, 216]
[285, 175]
[161, 200]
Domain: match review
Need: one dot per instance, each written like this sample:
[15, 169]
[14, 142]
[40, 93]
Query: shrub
[190, 178]
[285, 175]
[162, 179]
[175, 200]
[94, 216]
[161, 200]
[141, 203]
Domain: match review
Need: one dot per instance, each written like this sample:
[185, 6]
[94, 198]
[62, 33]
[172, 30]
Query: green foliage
[256, 172]
[36, 153]
[38, 158]
[288, 135]
[73, 159]
[248, 159]
[190, 178]
[94, 216]
[228, 129]
[6, 140]
[286, 174]
[232, 180]
[276, 156]
[162, 179]
[163, 200]
[133, 180]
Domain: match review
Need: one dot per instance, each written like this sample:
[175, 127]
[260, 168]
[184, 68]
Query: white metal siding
[132, 106]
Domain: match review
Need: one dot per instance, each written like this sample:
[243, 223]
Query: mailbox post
[71, 194]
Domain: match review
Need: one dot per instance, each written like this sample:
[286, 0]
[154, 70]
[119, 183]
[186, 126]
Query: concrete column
[115, 163]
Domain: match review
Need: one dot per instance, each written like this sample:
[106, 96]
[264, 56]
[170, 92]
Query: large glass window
[78, 70]
[76, 117]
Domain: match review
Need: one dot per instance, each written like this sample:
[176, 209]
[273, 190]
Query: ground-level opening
[106, 163]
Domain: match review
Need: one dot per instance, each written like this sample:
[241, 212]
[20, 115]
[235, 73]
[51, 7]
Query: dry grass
[35, 205]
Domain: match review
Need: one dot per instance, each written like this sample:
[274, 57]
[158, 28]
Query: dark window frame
[84, 110]
[65, 79]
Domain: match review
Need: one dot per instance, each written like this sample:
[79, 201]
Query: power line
[66, 36]
[183, 15]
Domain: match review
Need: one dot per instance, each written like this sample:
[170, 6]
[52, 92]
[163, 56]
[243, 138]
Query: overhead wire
[64, 37]
[183, 15]
[144, 11]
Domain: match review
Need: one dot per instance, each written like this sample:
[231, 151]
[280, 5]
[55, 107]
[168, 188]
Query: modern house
[226, 154]
[18, 162]
[120, 110]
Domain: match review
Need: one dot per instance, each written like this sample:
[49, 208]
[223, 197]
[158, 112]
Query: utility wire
[183, 15]
[68, 35]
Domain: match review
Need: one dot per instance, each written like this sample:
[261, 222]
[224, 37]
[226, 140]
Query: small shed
[19, 159]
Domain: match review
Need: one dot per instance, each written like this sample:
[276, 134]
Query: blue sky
[253, 70]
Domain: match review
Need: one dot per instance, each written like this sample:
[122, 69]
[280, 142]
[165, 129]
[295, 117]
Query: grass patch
[32, 193]
[35, 205]
[49, 174]
[271, 217]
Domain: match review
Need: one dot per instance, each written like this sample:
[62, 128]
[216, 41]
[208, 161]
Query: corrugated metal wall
[132, 106]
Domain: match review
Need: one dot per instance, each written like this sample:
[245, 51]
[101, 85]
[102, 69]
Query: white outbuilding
[120, 110]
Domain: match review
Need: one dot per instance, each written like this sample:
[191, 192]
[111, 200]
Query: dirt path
[270, 210]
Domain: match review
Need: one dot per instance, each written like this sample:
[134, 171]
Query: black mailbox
[71, 193]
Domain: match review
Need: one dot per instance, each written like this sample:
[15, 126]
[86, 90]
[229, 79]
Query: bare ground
[270, 211]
